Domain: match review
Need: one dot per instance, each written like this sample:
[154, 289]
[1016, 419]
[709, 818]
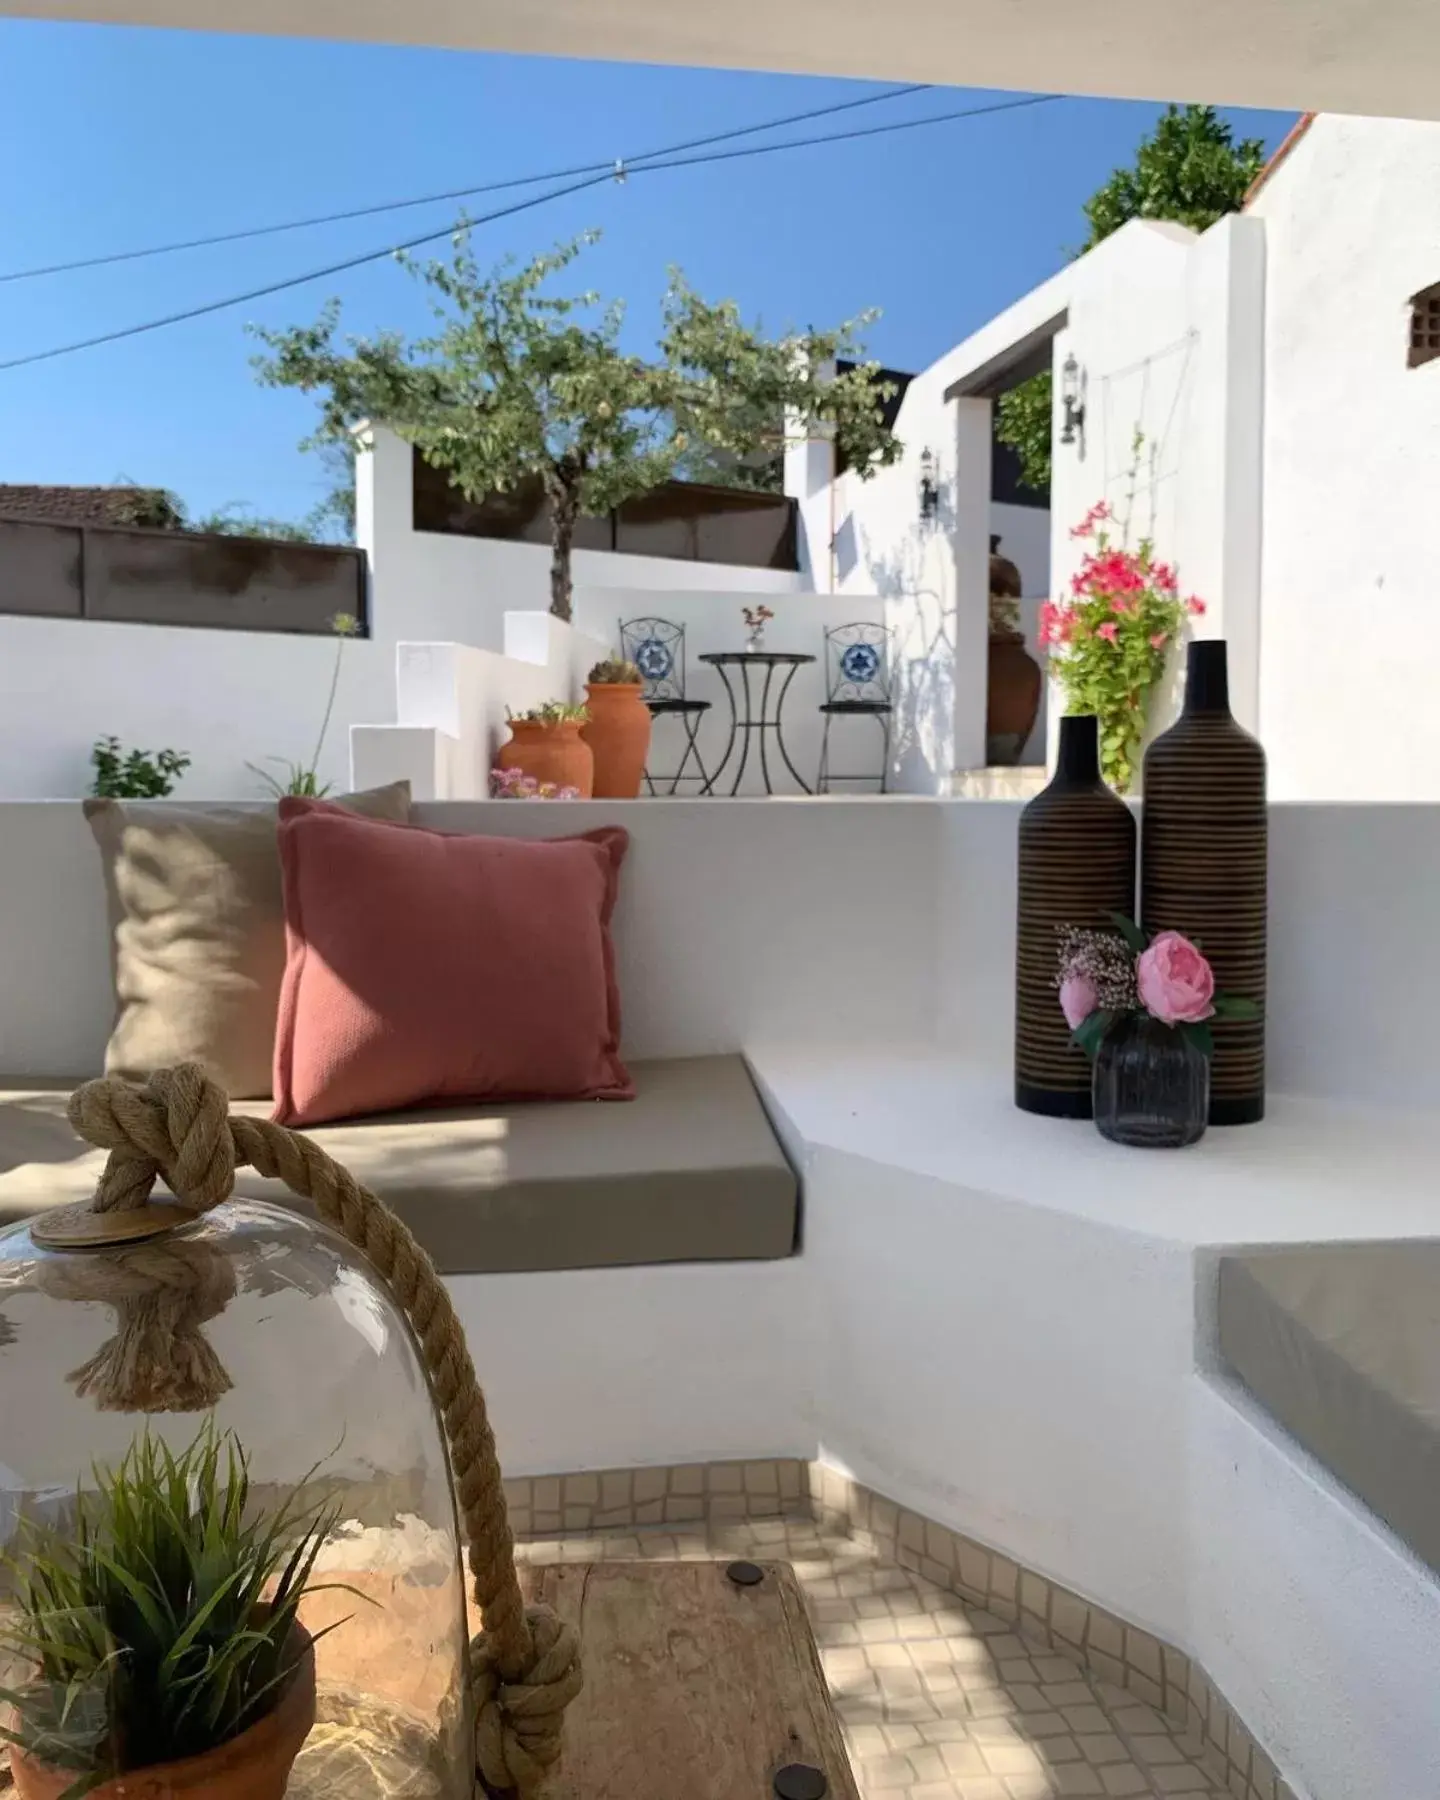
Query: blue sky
[113, 139]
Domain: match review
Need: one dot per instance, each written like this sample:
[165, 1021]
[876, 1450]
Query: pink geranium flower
[1174, 981]
[1195, 607]
[1108, 631]
[1159, 640]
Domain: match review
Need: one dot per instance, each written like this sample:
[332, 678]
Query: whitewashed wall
[867, 536]
[1352, 465]
[469, 583]
[1167, 331]
[229, 698]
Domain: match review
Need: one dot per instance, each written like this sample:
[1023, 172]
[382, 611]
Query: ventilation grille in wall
[1425, 326]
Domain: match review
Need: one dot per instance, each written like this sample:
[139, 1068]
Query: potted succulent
[617, 729]
[159, 1626]
[1012, 698]
[545, 743]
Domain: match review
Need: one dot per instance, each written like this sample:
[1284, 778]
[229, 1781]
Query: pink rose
[1175, 982]
[1078, 999]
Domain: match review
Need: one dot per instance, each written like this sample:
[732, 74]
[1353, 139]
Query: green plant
[1190, 171]
[552, 713]
[521, 386]
[1110, 638]
[160, 1620]
[301, 778]
[134, 775]
[616, 672]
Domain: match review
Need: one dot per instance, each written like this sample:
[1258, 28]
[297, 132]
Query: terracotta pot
[550, 753]
[1012, 698]
[253, 1766]
[618, 733]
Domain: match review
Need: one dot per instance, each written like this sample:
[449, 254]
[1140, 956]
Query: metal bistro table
[749, 723]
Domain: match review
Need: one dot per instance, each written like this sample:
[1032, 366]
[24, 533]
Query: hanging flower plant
[1109, 639]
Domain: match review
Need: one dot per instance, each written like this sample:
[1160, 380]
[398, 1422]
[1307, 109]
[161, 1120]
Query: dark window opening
[1424, 326]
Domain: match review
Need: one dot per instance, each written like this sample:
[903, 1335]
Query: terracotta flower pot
[618, 733]
[1012, 699]
[550, 753]
[253, 1766]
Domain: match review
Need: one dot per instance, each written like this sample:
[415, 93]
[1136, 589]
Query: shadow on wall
[910, 579]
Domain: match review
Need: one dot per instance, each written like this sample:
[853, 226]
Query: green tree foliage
[1191, 171]
[519, 383]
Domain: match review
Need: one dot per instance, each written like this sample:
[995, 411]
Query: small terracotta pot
[618, 733]
[1012, 698]
[550, 753]
[253, 1766]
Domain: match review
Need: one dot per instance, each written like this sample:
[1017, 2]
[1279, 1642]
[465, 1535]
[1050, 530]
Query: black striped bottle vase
[1203, 852]
[1077, 867]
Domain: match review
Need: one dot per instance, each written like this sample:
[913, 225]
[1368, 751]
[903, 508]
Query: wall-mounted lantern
[929, 487]
[1072, 396]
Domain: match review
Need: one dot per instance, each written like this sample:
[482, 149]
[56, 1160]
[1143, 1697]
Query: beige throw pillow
[197, 924]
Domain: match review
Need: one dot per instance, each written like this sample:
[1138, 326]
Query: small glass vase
[1151, 1085]
[755, 643]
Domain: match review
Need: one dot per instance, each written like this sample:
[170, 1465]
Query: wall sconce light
[1072, 396]
[929, 488]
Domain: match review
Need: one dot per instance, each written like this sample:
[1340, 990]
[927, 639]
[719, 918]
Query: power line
[863, 131]
[505, 212]
[276, 287]
[465, 193]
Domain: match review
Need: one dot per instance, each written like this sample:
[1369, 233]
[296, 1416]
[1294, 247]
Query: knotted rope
[525, 1666]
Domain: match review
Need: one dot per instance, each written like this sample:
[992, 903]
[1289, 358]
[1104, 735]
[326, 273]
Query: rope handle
[524, 1664]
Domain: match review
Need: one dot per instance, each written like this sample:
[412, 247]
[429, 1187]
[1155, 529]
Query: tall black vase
[1077, 867]
[1203, 851]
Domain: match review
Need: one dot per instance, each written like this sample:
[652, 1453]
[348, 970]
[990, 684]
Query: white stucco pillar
[384, 520]
[970, 548]
[808, 465]
[1219, 519]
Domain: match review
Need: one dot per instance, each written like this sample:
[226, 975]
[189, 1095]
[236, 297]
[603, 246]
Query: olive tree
[521, 384]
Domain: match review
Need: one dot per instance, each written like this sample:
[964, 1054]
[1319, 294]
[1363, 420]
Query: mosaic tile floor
[939, 1701]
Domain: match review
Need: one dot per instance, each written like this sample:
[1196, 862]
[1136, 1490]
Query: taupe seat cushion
[1341, 1344]
[689, 1171]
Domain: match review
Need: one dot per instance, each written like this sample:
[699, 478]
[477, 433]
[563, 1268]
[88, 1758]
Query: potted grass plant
[617, 728]
[545, 743]
[159, 1633]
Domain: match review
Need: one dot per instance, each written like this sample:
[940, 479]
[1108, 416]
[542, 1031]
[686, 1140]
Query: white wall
[228, 698]
[1318, 1626]
[1167, 331]
[866, 536]
[465, 585]
[736, 923]
[224, 698]
[1352, 524]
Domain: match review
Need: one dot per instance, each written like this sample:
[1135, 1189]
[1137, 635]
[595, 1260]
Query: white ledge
[1312, 1170]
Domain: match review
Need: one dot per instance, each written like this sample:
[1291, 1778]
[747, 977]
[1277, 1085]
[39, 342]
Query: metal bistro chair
[857, 685]
[657, 648]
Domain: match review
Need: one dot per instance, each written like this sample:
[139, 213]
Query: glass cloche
[322, 1423]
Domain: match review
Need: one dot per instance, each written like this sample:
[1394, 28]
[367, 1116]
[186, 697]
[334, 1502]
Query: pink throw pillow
[425, 968]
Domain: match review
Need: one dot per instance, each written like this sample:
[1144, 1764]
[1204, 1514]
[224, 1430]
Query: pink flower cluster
[1173, 983]
[515, 784]
[1174, 980]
